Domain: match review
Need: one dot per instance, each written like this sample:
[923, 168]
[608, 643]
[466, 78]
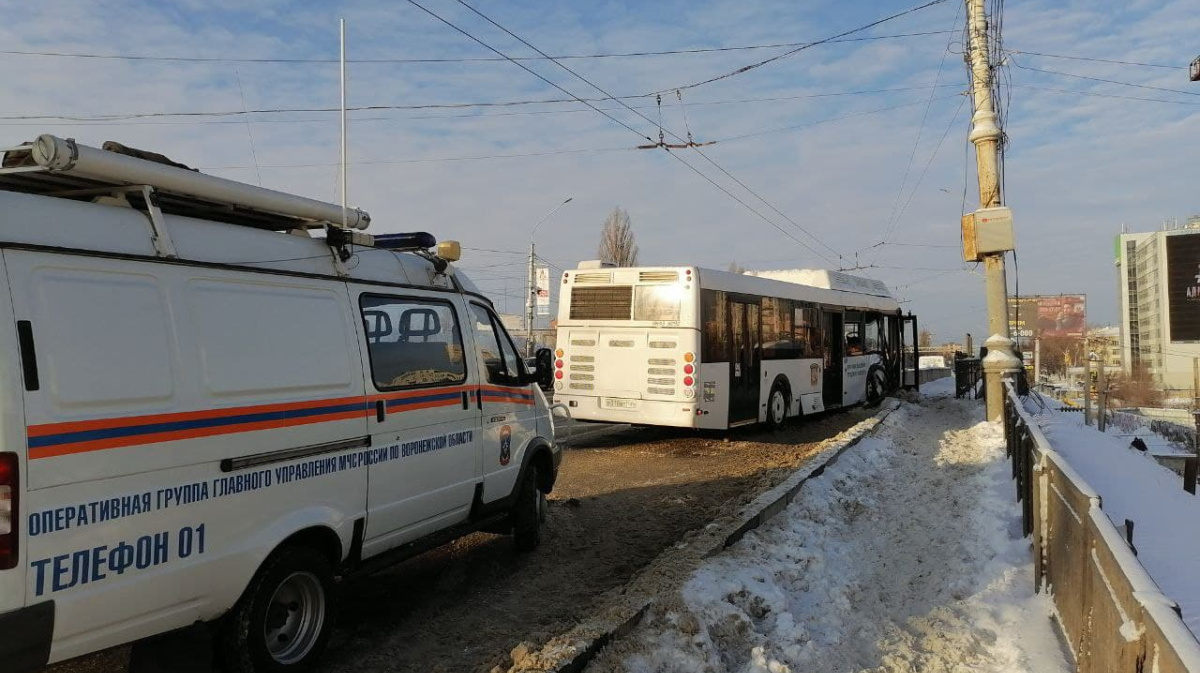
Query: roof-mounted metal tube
[59, 155]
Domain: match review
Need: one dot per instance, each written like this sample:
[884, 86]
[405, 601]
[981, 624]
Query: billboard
[1062, 315]
[1183, 287]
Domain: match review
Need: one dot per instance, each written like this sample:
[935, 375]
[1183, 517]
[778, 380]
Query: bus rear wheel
[777, 407]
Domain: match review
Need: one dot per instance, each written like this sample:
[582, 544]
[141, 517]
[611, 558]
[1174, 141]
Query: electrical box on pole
[986, 231]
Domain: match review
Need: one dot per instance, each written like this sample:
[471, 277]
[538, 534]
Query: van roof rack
[58, 167]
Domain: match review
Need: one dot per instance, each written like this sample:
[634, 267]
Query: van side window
[495, 349]
[412, 343]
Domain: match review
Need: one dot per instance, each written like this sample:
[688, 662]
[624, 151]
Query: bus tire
[284, 619]
[529, 511]
[876, 386]
[777, 405]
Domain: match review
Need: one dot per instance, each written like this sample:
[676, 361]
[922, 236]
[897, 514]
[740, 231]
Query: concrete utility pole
[531, 295]
[1087, 385]
[985, 134]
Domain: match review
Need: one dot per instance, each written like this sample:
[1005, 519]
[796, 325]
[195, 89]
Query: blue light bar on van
[417, 240]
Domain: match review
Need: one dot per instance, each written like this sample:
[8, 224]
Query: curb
[572, 651]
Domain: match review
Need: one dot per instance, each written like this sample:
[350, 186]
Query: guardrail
[1114, 617]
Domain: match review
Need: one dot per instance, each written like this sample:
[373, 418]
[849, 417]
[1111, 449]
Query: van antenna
[342, 31]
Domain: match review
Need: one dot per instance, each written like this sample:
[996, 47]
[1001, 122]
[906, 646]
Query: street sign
[543, 290]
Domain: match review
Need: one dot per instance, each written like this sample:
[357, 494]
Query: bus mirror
[544, 374]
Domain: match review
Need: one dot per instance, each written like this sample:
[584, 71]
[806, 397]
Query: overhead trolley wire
[792, 52]
[672, 154]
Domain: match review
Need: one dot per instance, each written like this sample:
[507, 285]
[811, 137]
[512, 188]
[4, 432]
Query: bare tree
[925, 339]
[617, 245]
[734, 267]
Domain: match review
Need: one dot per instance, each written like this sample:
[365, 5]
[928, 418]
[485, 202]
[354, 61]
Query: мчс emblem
[505, 445]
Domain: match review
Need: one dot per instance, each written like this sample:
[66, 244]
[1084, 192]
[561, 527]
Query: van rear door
[13, 381]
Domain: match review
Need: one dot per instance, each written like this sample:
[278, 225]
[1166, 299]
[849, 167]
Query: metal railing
[968, 373]
[1114, 617]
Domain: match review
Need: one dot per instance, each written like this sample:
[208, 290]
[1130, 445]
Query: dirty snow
[903, 556]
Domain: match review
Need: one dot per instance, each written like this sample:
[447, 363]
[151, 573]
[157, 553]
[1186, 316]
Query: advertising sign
[1063, 315]
[1183, 287]
[543, 290]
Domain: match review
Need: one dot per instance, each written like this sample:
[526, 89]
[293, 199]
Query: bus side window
[714, 311]
[779, 341]
[809, 335]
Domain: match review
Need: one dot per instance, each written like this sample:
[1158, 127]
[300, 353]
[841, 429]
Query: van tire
[529, 512]
[303, 577]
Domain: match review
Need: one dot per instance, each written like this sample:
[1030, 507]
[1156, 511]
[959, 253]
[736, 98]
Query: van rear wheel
[284, 619]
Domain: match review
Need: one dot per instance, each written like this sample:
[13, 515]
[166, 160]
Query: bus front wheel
[876, 387]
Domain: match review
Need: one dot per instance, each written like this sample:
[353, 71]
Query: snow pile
[1133, 486]
[903, 556]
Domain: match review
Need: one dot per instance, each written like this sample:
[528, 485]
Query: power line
[894, 216]
[481, 59]
[1096, 60]
[589, 150]
[672, 154]
[1106, 81]
[115, 119]
[892, 227]
[747, 68]
[1076, 92]
[381, 162]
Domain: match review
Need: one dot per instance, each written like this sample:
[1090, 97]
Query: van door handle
[28, 355]
[466, 404]
[380, 411]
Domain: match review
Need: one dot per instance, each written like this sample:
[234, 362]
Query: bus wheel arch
[779, 402]
[877, 386]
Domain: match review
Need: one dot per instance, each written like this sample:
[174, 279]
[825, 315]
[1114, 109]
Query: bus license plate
[619, 403]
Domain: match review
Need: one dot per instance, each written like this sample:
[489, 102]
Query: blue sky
[1079, 166]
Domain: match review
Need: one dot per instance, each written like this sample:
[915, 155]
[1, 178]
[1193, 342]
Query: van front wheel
[284, 619]
[529, 512]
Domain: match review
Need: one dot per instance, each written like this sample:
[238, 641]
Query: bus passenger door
[835, 357]
[746, 342]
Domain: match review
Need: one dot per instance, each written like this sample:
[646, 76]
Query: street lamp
[533, 289]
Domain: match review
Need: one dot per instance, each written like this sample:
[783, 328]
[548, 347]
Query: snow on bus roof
[826, 279]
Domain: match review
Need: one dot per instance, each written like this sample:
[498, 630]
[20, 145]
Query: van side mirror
[544, 374]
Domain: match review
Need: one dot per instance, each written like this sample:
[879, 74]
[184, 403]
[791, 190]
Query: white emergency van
[209, 415]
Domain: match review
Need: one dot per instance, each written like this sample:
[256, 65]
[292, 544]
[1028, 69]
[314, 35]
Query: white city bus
[691, 347]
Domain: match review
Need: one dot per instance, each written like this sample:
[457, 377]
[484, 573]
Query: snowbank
[1133, 486]
[905, 555]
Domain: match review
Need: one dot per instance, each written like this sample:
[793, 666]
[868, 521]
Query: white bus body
[195, 414]
[693, 347]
